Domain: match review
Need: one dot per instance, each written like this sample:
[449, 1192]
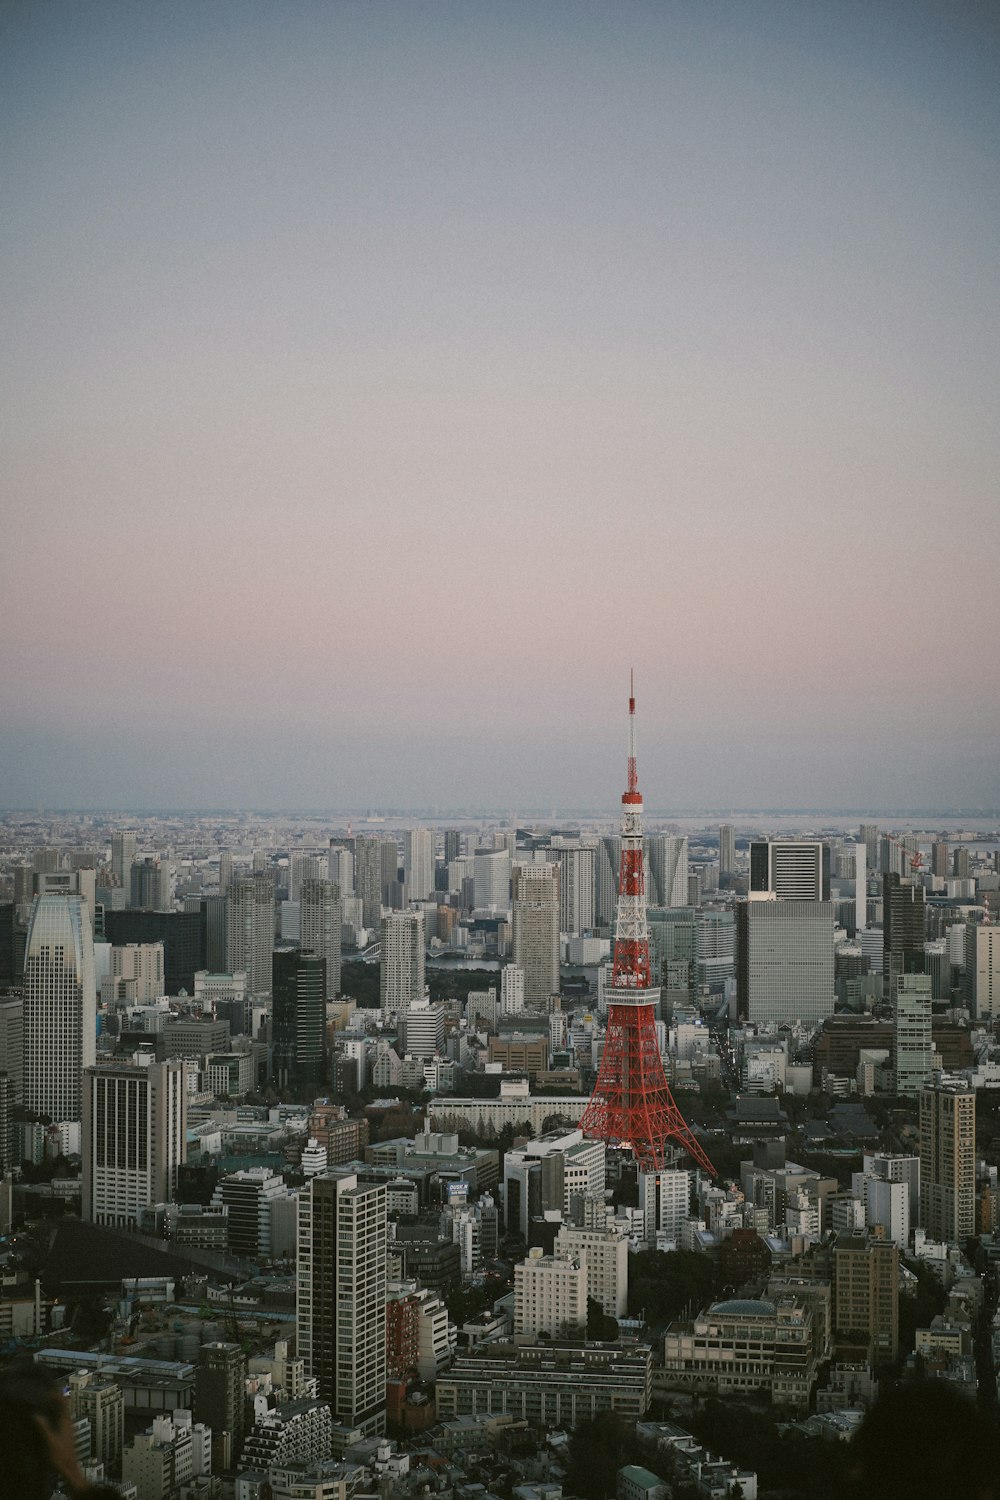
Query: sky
[382, 381]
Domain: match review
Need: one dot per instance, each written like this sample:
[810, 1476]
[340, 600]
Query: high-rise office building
[491, 880]
[550, 1295]
[982, 970]
[960, 864]
[785, 962]
[150, 886]
[340, 869]
[939, 860]
[608, 858]
[667, 866]
[225, 871]
[139, 972]
[794, 869]
[576, 890]
[418, 864]
[912, 1046]
[182, 934]
[60, 1006]
[220, 1400]
[341, 1296]
[250, 931]
[947, 1125]
[122, 857]
[100, 1400]
[903, 932]
[298, 1020]
[452, 845]
[535, 931]
[401, 978]
[134, 1138]
[321, 918]
[727, 849]
[424, 1029]
[392, 889]
[868, 835]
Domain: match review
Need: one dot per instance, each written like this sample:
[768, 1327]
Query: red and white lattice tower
[632, 1106]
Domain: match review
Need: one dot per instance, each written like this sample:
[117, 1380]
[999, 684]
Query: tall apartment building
[576, 890]
[511, 989]
[368, 877]
[727, 849]
[340, 869]
[785, 968]
[982, 970]
[912, 1045]
[939, 860]
[903, 932]
[298, 1019]
[101, 1401]
[122, 857]
[401, 968]
[550, 1295]
[341, 1296]
[603, 1249]
[868, 835]
[321, 916]
[134, 1138]
[794, 869]
[667, 870]
[250, 930]
[947, 1125]
[220, 1400]
[535, 931]
[866, 1292]
[150, 885]
[418, 864]
[60, 1005]
[607, 871]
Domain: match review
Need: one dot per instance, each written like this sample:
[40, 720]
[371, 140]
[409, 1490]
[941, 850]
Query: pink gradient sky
[383, 380]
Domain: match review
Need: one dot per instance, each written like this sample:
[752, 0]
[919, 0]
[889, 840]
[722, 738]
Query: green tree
[602, 1328]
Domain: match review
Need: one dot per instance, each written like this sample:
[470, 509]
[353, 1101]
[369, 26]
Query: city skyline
[364, 362]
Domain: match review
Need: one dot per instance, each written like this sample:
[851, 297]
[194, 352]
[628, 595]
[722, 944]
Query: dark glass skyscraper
[298, 1020]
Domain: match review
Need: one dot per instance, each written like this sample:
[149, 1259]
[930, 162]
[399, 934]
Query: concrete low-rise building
[547, 1384]
[743, 1345]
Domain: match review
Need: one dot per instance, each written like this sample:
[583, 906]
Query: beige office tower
[137, 973]
[401, 977]
[341, 1296]
[60, 1006]
[535, 931]
[727, 849]
[134, 1138]
[912, 1044]
[947, 1123]
[321, 916]
[250, 931]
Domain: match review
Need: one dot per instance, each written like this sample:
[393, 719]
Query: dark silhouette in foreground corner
[36, 1438]
[924, 1441]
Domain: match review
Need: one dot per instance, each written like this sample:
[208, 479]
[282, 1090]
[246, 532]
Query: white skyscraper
[60, 1006]
[418, 864]
[340, 869]
[912, 1043]
[320, 920]
[402, 960]
[727, 849]
[134, 1138]
[982, 970]
[794, 869]
[491, 880]
[550, 1295]
[511, 989]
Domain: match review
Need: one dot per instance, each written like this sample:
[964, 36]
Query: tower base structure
[632, 1106]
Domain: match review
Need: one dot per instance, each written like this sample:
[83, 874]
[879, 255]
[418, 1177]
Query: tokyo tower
[632, 1106]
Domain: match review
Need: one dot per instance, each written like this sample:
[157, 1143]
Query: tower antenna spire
[632, 1106]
